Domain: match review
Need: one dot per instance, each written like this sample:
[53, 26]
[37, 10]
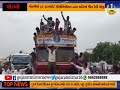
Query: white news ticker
[60, 77]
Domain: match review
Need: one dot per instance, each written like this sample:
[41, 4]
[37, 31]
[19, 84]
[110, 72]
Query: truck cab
[20, 60]
[66, 46]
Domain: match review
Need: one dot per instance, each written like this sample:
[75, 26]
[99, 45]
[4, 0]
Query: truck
[20, 60]
[66, 44]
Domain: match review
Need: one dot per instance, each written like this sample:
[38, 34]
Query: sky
[17, 28]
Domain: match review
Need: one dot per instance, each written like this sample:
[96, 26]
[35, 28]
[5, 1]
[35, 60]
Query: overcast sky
[17, 28]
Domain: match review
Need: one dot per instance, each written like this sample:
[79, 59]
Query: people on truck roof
[35, 37]
[50, 24]
[53, 24]
[68, 31]
[72, 31]
[57, 22]
[42, 27]
[37, 30]
[60, 32]
[67, 23]
[53, 27]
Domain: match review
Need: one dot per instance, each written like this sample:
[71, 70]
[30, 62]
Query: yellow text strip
[65, 84]
[65, 6]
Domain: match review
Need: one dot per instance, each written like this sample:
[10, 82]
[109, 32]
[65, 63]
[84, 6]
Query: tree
[107, 51]
[86, 56]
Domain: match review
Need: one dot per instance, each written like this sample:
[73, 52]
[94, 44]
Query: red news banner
[14, 6]
[16, 84]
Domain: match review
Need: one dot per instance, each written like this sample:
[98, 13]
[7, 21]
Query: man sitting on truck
[37, 30]
[60, 32]
[72, 32]
[49, 24]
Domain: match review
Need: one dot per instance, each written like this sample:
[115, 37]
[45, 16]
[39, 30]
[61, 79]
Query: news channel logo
[111, 9]
[10, 77]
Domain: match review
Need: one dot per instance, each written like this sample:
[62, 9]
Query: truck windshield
[63, 54]
[20, 59]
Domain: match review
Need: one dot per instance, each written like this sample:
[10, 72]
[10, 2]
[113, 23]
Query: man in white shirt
[50, 23]
[6, 70]
[20, 71]
[84, 69]
[67, 23]
[52, 59]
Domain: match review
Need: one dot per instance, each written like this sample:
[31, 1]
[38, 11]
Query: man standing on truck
[52, 58]
[67, 24]
[57, 22]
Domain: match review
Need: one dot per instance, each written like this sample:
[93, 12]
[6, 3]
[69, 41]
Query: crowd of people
[6, 68]
[52, 27]
[79, 66]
